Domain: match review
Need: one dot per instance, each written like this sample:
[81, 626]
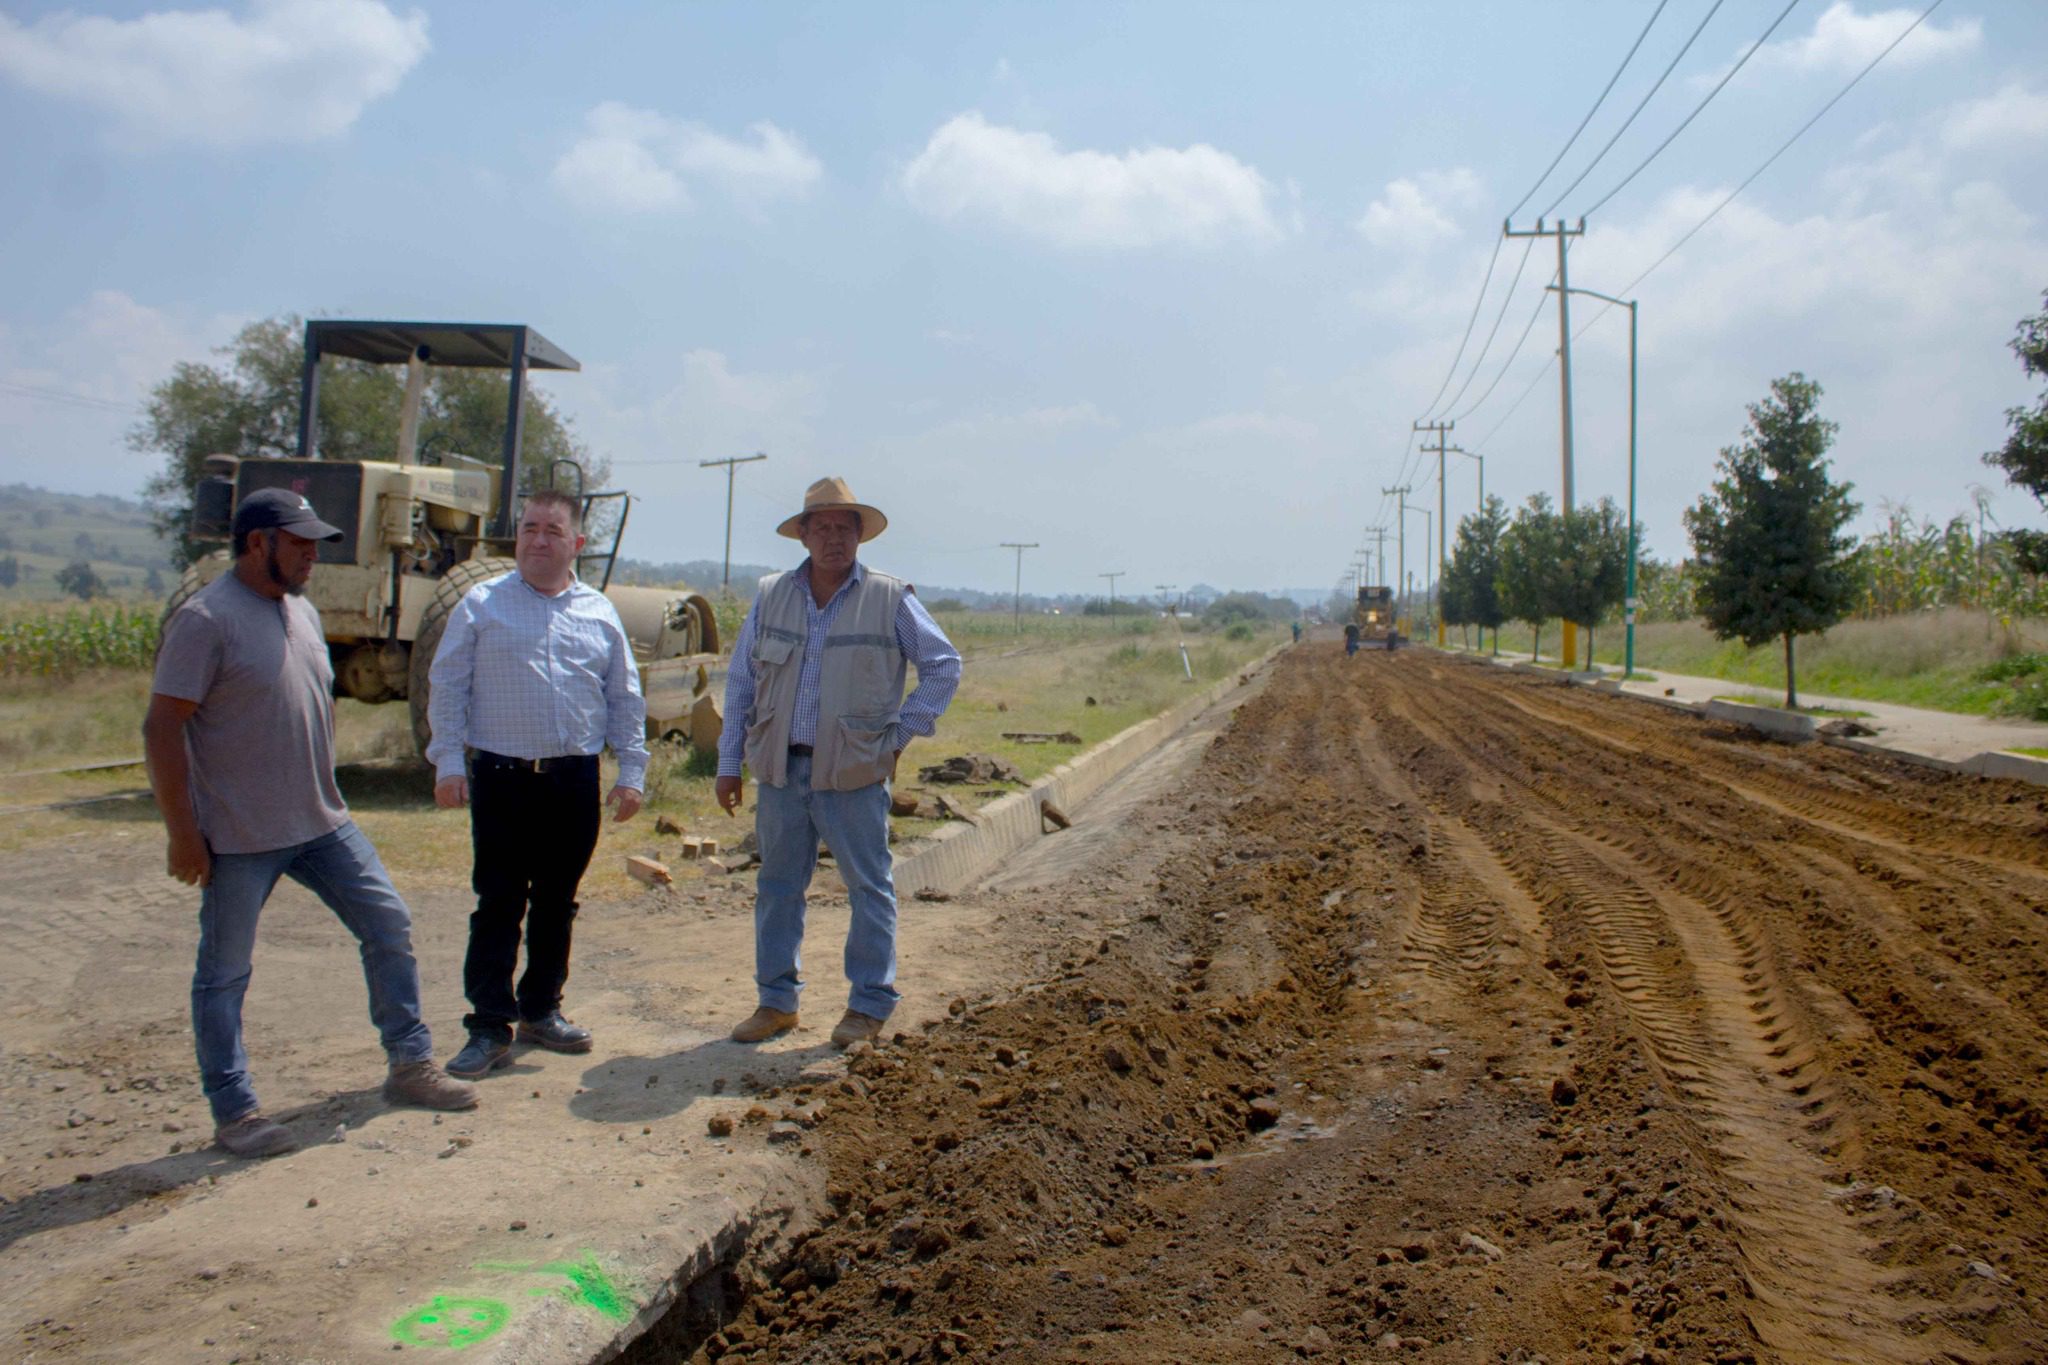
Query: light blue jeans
[343, 870]
[790, 819]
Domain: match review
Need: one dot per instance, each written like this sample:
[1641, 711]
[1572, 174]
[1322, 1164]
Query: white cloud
[2015, 114]
[283, 71]
[1155, 196]
[1843, 41]
[639, 161]
[1419, 212]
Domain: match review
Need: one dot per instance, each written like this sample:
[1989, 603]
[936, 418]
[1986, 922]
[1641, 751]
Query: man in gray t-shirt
[240, 742]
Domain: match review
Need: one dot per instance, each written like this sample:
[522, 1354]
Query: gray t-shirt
[262, 741]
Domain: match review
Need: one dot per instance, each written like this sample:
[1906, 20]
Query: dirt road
[1445, 1014]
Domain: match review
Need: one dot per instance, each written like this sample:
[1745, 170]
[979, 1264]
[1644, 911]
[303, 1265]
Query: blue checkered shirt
[526, 675]
[917, 635]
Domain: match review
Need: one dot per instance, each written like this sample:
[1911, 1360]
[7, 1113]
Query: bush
[1238, 631]
[2027, 675]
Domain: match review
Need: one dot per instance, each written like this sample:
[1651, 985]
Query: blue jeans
[343, 870]
[790, 819]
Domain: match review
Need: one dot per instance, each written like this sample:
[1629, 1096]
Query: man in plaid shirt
[535, 675]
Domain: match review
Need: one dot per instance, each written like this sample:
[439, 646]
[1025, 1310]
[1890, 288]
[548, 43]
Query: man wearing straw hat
[814, 705]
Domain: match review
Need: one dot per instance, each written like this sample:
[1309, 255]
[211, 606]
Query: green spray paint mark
[588, 1284]
[453, 1323]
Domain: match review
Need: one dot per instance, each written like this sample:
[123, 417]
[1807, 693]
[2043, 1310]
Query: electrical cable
[1750, 179]
[1637, 110]
[1531, 192]
[1505, 299]
[1740, 63]
[1464, 341]
[1501, 374]
[79, 400]
[1430, 409]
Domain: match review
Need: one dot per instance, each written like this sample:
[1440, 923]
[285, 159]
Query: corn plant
[63, 642]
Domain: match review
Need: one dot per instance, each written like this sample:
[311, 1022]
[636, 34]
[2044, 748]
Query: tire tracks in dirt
[1450, 1012]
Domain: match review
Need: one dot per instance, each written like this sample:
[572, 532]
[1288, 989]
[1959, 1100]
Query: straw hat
[832, 495]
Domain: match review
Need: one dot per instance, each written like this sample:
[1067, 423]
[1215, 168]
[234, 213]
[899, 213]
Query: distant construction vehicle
[1374, 617]
[420, 533]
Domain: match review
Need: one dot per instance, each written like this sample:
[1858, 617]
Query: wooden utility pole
[1112, 577]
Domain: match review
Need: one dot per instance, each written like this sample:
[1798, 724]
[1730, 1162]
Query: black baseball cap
[281, 509]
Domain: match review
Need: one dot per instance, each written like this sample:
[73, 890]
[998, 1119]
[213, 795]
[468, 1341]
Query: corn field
[62, 642]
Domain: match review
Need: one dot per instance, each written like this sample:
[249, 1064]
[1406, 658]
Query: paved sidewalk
[1945, 735]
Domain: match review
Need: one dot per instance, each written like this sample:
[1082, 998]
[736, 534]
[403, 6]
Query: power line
[1715, 211]
[1590, 112]
[1465, 340]
[1633, 112]
[1505, 364]
[78, 400]
[1701, 105]
[1505, 300]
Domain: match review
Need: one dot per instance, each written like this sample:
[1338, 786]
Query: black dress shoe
[555, 1033]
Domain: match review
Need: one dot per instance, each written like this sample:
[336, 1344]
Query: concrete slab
[1790, 726]
[2017, 767]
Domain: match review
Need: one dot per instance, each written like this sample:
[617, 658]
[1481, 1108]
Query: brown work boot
[763, 1024]
[425, 1084]
[252, 1135]
[856, 1027]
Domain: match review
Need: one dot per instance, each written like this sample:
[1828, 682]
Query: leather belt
[506, 763]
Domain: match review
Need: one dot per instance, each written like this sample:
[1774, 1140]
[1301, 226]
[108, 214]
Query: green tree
[78, 579]
[1592, 567]
[1473, 580]
[2024, 456]
[10, 571]
[249, 407]
[1248, 606]
[1528, 564]
[1774, 560]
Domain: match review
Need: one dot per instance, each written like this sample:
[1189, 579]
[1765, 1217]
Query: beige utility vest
[861, 682]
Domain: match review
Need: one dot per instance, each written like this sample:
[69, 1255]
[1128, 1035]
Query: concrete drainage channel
[709, 1290]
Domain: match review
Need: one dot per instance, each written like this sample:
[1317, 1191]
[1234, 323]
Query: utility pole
[1475, 455]
[1563, 233]
[1628, 653]
[731, 468]
[1163, 589]
[1017, 594]
[1400, 495]
[1442, 429]
[1112, 577]
[1379, 535]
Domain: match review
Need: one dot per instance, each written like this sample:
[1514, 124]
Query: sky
[1162, 288]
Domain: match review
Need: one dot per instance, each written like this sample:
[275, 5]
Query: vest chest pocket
[771, 653]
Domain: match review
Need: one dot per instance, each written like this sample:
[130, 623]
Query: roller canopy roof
[475, 345]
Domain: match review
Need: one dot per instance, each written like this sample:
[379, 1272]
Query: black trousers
[533, 834]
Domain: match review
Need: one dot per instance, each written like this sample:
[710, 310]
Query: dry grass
[1040, 681]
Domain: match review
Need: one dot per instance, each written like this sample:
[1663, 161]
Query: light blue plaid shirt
[917, 635]
[526, 675]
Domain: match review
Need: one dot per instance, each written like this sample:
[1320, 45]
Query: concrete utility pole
[1400, 495]
[1443, 559]
[1563, 233]
[1379, 540]
[1017, 593]
[731, 468]
[1112, 577]
[1475, 455]
[1628, 653]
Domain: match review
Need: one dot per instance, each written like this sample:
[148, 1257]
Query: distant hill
[42, 531]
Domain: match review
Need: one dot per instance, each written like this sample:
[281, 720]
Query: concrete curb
[2015, 767]
[1765, 720]
[962, 854]
[1865, 746]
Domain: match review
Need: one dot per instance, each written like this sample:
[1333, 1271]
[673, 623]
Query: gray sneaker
[425, 1084]
[253, 1135]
